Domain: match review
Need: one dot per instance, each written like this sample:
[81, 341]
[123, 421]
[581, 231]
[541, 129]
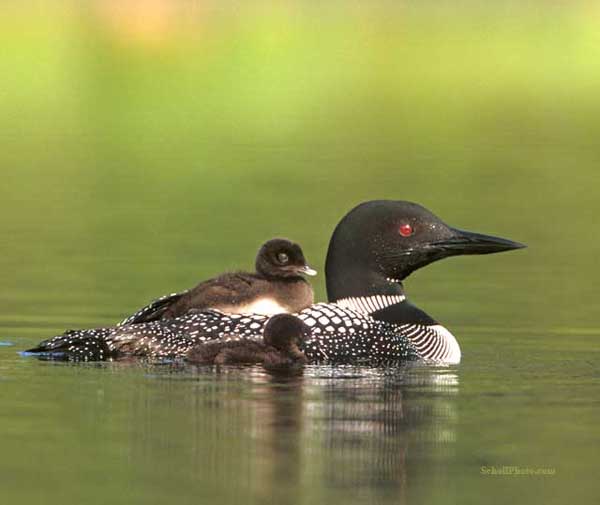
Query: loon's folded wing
[154, 310]
[211, 293]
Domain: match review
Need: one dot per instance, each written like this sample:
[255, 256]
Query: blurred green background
[145, 145]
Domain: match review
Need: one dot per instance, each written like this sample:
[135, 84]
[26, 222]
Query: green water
[143, 150]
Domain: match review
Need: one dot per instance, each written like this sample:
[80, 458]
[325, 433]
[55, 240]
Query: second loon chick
[283, 338]
[276, 287]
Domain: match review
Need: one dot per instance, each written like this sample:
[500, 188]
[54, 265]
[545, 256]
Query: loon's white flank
[434, 343]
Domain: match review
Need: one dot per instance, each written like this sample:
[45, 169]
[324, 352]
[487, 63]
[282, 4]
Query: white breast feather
[262, 306]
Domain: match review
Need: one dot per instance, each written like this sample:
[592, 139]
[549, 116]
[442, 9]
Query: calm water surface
[132, 432]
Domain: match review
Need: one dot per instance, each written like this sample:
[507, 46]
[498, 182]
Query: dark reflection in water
[369, 423]
[242, 434]
[279, 436]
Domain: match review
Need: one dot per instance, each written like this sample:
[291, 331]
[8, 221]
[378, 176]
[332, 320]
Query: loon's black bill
[306, 270]
[466, 242]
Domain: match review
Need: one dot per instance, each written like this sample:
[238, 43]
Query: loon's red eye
[406, 230]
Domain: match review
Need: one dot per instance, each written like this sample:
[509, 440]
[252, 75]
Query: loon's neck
[352, 282]
[370, 293]
[358, 284]
[366, 293]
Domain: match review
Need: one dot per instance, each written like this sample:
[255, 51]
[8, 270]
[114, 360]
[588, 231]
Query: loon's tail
[76, 345]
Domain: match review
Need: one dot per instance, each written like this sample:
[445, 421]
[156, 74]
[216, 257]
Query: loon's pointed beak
[466, 242]
[306, 270]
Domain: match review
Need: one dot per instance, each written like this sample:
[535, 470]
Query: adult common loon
[367, 320]
[277, 286]
[283, 339]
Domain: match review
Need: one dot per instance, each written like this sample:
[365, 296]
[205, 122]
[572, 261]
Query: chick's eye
[406, 230]
[282, 258]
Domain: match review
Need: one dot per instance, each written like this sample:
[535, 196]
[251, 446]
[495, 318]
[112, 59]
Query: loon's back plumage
[338, 335]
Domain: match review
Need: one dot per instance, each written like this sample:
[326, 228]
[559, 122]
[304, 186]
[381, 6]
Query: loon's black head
[379, 243]
[284, 331]
[280, 257]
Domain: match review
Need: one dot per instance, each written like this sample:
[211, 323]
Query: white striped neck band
[369, 304]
